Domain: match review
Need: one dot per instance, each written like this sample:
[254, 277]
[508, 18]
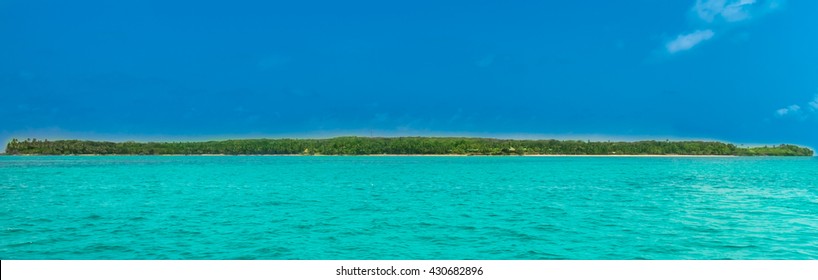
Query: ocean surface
[367, 207]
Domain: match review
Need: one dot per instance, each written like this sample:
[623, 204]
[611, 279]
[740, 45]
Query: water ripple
[407, 208]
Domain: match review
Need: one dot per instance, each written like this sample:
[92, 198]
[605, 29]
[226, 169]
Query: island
[352, 145]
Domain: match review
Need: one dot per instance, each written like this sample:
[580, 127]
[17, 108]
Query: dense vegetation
[398, 146]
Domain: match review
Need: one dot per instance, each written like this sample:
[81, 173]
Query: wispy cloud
[685, 42]
[732, 11]
[809, 110]
[717, 16]
[814, 103]
[792, 109]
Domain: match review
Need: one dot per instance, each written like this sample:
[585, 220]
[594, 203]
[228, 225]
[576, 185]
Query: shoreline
[403, 146]
[393, 155]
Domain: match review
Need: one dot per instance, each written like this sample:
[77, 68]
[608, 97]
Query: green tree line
[397, 146]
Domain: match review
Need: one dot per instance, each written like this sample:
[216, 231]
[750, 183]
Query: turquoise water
[246, 207]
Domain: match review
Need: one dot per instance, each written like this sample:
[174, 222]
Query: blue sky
[742, 71]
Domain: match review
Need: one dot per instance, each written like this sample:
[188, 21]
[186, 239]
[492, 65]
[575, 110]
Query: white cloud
[792, 109]
[737, 11]
[805, 112]
[730, 11]
[714, 16]
[687, 41]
